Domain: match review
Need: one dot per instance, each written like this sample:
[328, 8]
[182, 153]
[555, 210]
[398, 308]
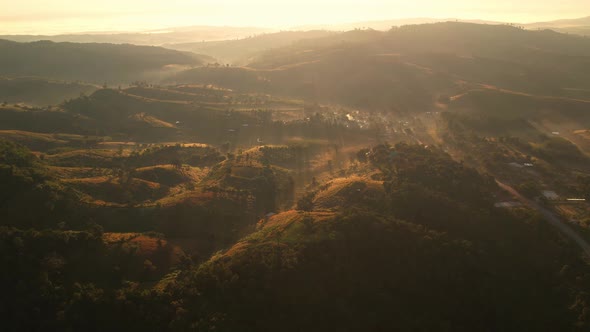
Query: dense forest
[457, 265]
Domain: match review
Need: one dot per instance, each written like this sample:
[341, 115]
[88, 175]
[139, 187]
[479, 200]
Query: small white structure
[517, 165]
[550, 195]
[528, 165]
[555, 133]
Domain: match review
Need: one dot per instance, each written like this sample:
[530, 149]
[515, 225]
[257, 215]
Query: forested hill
[89, 62]
[240, 51]
[411, 67]
[468, 39]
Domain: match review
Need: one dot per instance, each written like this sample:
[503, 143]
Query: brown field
[575, 212]
[104, 190]
[76, 172]
[110, 238]
[94, 180]
[26, 136]
[285, 227]
[191, 198]
[95, 153]
[280, 222]
[342, 190]
[146, 245]
[152, 121]
[584, 133]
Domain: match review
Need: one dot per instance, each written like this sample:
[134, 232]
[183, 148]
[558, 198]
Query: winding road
[550, 217]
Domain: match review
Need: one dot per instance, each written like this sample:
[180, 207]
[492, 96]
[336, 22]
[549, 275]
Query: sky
[62, 16]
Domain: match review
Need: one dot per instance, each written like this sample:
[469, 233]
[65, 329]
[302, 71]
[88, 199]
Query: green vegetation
[437, 262]
[25, 183]
[351, 181]
[57, 278]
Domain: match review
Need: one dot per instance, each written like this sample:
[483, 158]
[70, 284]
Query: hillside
[96, 63]
[511, 105]
[40, 92]
[385, 25]
[208, 253]
[178, 113]
[565, 23]
[583, 31]
[240, 51]
[406, 262]
[431, 177]
[411, 67]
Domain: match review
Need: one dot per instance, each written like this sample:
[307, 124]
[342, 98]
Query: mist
[66, 16]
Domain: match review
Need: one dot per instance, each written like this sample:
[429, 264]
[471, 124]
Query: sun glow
[35, 16]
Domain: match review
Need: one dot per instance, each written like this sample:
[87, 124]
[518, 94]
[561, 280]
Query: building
[550, 195]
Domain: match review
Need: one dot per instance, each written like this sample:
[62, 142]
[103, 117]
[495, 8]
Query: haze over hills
[443, 59]
[195, 34]
[150, 37]
[580, 26]
[423, 177]
[416, 64]
[412, 66]
[567, 23]
[242, 50]
[385, 25]
[91, 62]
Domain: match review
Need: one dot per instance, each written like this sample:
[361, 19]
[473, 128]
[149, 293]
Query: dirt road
[550, 217]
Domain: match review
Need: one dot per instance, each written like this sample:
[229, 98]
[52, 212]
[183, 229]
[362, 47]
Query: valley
[431, 177]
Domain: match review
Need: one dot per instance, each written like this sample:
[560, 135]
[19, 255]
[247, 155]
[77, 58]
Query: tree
[305, 203]
[177, 162]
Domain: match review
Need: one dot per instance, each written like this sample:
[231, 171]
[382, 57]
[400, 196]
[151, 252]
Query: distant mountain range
[569, 23]
[150, 37]
[194, 34]
[242, 50]
[387, 24]
[579, 26]
[408, 68]
[524, 59]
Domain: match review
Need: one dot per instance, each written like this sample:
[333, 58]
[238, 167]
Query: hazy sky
[57, 16]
